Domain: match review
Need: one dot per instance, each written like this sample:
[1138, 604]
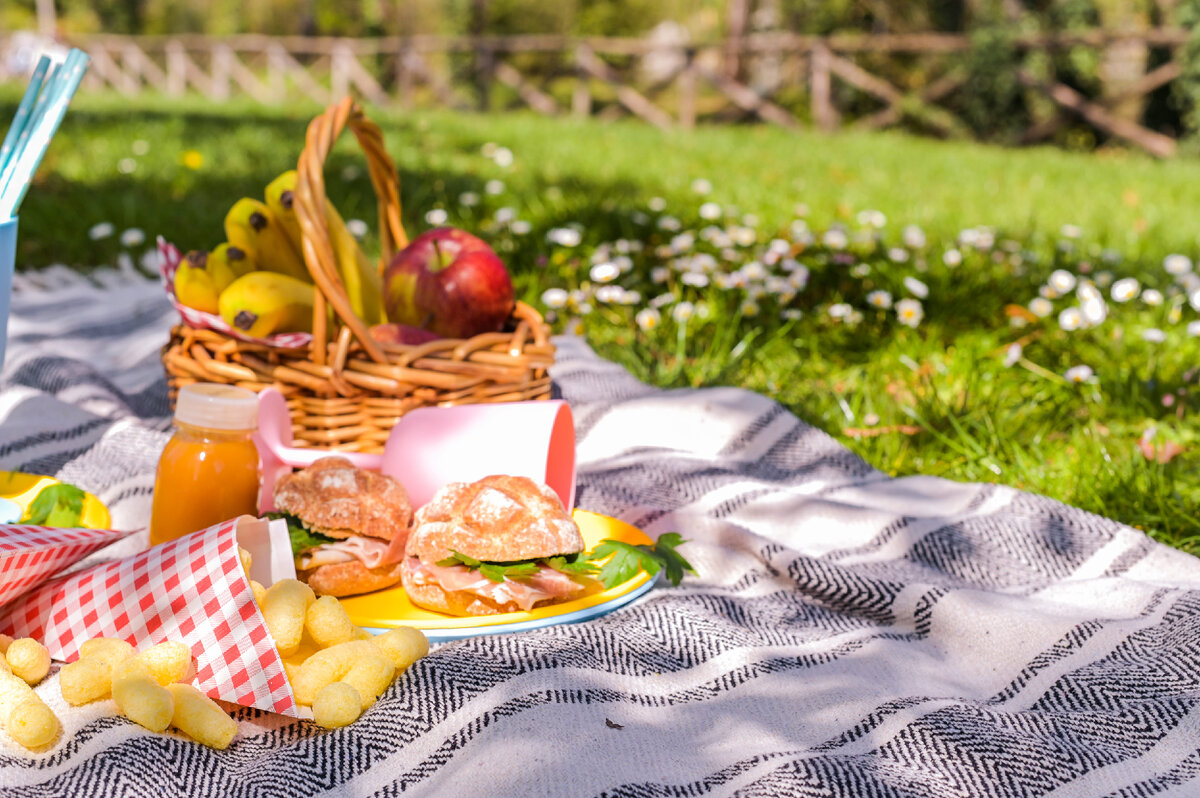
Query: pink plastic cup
[432, 446]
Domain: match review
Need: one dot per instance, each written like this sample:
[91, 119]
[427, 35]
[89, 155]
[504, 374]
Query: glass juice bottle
[208, 471]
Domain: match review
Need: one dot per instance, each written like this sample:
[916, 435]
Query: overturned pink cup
[432, 446]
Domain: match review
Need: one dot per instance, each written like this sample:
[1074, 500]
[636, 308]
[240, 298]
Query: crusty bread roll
[337, 499]
[496, 519]
[499, 518]
[349, 578]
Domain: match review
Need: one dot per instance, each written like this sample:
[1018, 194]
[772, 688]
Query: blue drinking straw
[35, 139]
[23, 110]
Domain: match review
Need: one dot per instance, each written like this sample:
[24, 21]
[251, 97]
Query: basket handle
[314, 227]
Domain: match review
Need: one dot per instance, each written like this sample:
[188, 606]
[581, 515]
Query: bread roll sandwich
[501, 544]
[348, 526]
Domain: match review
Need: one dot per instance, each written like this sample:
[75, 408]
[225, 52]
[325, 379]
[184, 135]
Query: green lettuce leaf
[302, 537]
[59, 505]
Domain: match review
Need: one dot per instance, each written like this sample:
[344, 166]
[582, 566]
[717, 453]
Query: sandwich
[501, 544]
[348, 526]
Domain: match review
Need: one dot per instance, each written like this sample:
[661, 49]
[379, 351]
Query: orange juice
[208, 471]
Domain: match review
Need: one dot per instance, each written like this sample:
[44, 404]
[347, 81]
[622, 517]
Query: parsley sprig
[624, 561]
[627, 559]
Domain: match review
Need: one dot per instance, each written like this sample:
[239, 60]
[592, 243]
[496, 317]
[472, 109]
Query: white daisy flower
[872, 218]
[127, 166]
[656, 204]
[604, 272]
[750, 308]
[1071, 231]
[701, 186]
[1070, 319]
[792, 314]
[1091, 304]
[436, 217]
[1154, 335]
[564, 236]
[694, 279]
[683, 242]
[610, 294]
[648, 318]
[1152, 297]
[860, 270]
[1177, 264]
[835, 238]
[744, 236]
[1048, 292]
[754, 270]
[662, 300]
[503, 157]
[1193, 329]
[140, 147]
[952, 258]
[1041, 307]
[521, 227]
[1079, 374]
[132, 237]
[555, 298]
[913, 237]
[910, 312]
[840, 310]
[1062, 281]
[916, 287]
[1012, 354]
[1124, 289]
[880, 299]
[710, 211]
[897, 255]
[798, 277]
[468, 199]
[683, 311]
[101, 230]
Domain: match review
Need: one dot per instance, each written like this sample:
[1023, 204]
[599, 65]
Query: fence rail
[664, 82]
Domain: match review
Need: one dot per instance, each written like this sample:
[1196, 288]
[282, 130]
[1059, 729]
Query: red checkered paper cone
[29, 555]
[193, 590]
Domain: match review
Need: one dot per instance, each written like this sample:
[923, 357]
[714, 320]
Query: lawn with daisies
[1026, 317]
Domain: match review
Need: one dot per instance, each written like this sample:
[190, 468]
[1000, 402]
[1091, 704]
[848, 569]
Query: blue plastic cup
[8, 259]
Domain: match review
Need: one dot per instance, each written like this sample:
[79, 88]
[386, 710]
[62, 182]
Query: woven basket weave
[346, 390]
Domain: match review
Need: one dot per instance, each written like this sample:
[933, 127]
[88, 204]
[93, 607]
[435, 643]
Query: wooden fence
[666, 83]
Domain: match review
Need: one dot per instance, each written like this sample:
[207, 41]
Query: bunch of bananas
[256, 280]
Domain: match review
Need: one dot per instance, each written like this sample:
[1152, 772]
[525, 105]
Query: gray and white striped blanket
[848, 634]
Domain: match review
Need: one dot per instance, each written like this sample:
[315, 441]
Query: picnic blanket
[847, 634]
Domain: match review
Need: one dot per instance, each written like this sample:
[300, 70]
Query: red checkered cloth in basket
[192, 589]
[169, 260]
[32, 554]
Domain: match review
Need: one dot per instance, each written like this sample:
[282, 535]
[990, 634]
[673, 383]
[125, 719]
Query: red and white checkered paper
[32, 554]
[192, 589]
[168, 264]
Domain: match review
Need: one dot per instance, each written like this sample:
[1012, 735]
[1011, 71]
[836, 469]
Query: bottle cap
[207, 404]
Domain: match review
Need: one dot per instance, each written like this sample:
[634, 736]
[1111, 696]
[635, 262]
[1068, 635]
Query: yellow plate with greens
[22, 489]
[386, 609]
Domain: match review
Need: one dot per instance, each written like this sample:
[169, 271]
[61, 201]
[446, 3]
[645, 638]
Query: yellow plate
[386, 609]
[22, 489]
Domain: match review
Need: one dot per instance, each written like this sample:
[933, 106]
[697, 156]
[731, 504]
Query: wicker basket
[346, 390]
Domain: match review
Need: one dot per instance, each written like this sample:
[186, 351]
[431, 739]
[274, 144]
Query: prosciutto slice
[547, 583]
[372, 552]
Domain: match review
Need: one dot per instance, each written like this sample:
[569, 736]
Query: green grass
[943, 399]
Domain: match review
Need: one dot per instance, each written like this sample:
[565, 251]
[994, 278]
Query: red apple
[393, 333]
[449, 282]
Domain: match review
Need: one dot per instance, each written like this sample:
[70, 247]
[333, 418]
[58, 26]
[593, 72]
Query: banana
[261, 303]
[361, 280]
[251, 227]
[200, 279]
[234, 258]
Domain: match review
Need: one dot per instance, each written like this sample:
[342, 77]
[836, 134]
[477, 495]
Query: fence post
[824, 114]
[222, 57]
[339, 73]
[176, 68]
[687, 90]
[581, 97]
